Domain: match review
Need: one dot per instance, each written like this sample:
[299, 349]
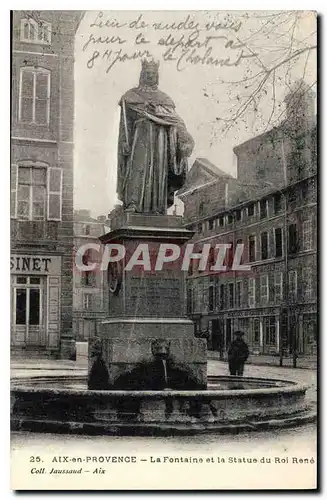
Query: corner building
[271, 208]
[42, 181]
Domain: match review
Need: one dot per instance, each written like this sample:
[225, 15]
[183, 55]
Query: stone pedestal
[82, 349]
[146, 305]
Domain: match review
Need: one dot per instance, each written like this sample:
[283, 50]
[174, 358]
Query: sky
[202, 93]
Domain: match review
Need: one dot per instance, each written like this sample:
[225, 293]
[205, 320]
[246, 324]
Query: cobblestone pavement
[307, 377]
[304, 362]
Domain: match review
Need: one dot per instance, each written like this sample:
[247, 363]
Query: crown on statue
[150, 64]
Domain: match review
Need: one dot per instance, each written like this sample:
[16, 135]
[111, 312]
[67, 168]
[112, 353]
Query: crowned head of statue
[149, 76]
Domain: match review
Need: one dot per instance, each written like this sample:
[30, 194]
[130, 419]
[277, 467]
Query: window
[210, 224]
[34, 96]
[34, 305]
[201, 208]
[87, 229]
[33, 31]
[307, 283]
[238, 214]
[222, 296]
[264, 290]
[21, 280]
[252, 249]
[251, 210]
[31, 193]
[35, 280]
[189, 301]
[304, 192]
[87, 300]
[278, 242]
[21, 294]
[221, 221]
[264, 246]
[310, 329]
[270, 330]
[263, 209]
[229, 219]
[277, 203]
[199, 228]
[292, 239]
[251, 292]
[292, 195]
[211, 258]
[238, 294]
[307, 234]
[203, 297]
[231, 295]
[88, 277]
[292, 285]
[256, 331]
[239, 242]
[211, 298]
[229, 259]
[278, 286]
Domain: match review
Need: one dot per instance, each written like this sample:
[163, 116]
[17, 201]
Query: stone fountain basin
[230, 404]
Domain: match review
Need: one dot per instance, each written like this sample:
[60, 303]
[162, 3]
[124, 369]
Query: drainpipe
[293, 338]
[286, 279]
[281, 347]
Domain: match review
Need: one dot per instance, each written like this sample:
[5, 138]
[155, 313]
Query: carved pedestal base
[149, 304]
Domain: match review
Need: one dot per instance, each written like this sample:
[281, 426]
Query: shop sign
[35, 264]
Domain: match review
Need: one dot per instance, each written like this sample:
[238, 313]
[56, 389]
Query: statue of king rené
[153, 146]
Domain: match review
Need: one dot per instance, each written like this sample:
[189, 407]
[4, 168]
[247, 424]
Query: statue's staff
[125, 122]
[126, 140]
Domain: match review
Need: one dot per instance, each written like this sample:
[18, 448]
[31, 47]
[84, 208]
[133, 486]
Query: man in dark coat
[238, 353]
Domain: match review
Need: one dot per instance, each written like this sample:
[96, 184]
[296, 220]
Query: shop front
[35, 301]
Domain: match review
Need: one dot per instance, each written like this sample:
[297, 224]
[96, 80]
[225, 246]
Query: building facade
[42, 180]
[275, 302]
[88, 300]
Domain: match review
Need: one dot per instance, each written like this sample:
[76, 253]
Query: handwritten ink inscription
[183, 43]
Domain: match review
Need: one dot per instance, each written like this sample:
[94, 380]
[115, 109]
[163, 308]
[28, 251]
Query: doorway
[28, 322]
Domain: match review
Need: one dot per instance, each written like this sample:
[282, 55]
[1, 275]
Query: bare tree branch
[274, 100]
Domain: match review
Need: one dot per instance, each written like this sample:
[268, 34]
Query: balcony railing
[34, 231]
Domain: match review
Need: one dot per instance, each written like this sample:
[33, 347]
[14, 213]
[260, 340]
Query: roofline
[248, 202]
[276, 130]
[207, 167]
[255, 138]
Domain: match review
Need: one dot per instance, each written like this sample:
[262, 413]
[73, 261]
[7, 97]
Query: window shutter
[14, 189]
[54, 193]
[53, 313]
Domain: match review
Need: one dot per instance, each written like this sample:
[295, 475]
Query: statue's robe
[158, 144]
